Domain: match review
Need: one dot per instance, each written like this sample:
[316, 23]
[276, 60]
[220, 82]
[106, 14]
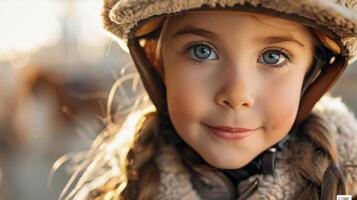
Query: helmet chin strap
[264, 163]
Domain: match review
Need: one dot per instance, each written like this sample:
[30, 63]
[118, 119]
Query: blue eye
[275, 58]
[202, 52]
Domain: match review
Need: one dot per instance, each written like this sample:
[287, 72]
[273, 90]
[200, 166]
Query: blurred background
[57, 66]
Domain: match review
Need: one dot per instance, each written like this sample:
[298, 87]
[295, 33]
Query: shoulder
[175, 179]
[344, 124]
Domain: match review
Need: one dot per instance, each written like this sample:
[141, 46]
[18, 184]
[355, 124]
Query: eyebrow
[208, 34]
[280, 39]
[196, 31]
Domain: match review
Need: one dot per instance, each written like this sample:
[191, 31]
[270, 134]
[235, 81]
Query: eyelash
[279, 50]
[188, 47]
[285, 53]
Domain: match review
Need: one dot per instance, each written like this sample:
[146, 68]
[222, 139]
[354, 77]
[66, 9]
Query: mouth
[230, 133]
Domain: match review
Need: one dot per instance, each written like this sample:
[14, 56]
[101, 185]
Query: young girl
[235, 86]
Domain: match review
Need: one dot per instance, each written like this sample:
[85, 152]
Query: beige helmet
[130, 20]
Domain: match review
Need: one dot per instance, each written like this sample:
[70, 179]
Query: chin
[228, 163]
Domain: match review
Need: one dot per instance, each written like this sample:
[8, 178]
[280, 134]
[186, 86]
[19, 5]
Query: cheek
[183, 102]
[282, 104]
[186, 94]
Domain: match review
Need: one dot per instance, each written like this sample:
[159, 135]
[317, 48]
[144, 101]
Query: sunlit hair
[121, 162]
[127, 106]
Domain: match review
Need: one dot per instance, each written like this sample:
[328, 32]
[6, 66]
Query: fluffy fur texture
[175, 178]
[339, 16]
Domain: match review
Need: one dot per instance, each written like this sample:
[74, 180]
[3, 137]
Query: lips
[232, 129]
[230, 133]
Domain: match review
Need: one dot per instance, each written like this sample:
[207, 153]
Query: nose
[236, 91]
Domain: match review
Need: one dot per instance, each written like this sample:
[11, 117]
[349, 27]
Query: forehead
[228, 23]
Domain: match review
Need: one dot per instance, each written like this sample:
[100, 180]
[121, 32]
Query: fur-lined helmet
[131, 20]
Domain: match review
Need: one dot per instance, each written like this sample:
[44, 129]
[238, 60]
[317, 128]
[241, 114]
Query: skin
[229, 80]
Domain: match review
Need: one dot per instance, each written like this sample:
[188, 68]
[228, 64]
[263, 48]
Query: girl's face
[238, 70]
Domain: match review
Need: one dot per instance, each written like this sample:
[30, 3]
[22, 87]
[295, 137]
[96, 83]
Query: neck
[264, 163]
